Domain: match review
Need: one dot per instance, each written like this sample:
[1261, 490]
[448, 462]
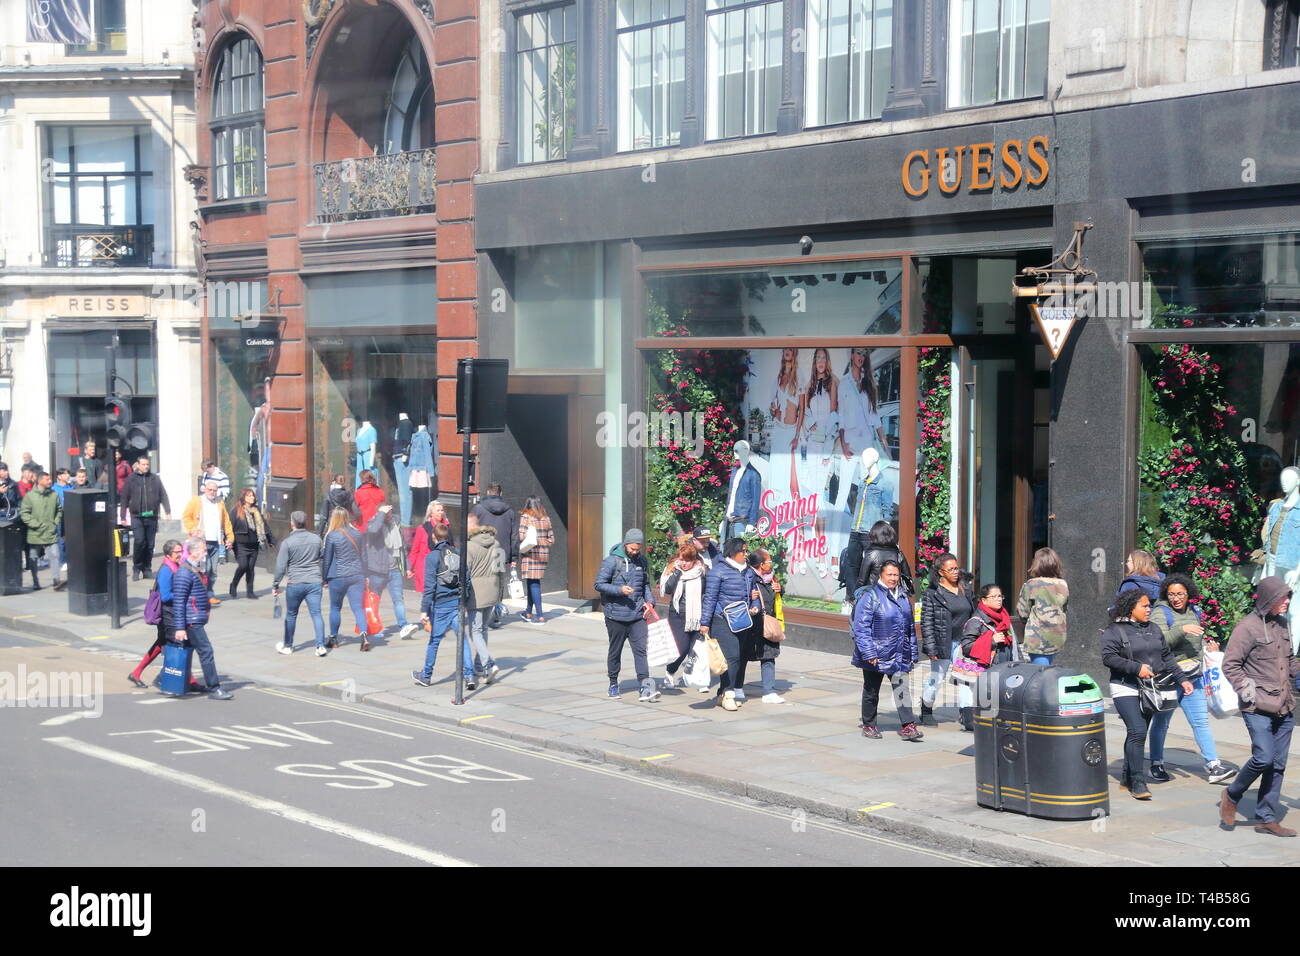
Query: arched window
[410, 102]
[238, 123]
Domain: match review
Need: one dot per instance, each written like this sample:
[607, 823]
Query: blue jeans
[394, 584]
[1196, 709]
[447, 622]
[768, 671]
[216, 551]
[1270, 739]
[534, 595]
[354, 589]
[294, 595]
[938, 673]
[1044, 659]
[196, 636]
[402, 474]
[478, 635]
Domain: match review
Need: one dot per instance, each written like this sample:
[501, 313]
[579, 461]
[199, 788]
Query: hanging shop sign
[977, 167]
[1054, 324]
[1059, 289]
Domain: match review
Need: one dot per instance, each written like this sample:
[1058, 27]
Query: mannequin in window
[1281, 536]
[259, 445]
[420, 468]
[874, 498]
[744, 491]
[402, 435]
[367, 439]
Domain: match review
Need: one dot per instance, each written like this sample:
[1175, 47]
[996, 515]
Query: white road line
[620, 774]
[68, 718]
[274, 807]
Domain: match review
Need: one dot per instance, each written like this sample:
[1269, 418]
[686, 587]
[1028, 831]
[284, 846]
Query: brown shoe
[1227, 811]
[214, 601]
[365, 644]
[1274, 828]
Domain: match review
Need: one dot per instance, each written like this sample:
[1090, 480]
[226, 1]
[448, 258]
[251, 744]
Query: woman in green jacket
[1179, 621]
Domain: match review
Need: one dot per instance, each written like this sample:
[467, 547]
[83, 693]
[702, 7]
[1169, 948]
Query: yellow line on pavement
[874, 806]
[645, 781]
[655, 757]
[470, 720]
[23, 617]
[97, 637]
[329, 682]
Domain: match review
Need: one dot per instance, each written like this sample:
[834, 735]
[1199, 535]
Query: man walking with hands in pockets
[623, 584]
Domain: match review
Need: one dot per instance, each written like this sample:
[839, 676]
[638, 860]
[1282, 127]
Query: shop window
[1224, 283]
[408, 123]
[808, 415]
[238, 123]
[99, 196]
[849, 51]
[997, 50]
[839, 298]
[558, 293]
[744, 52]
[651, 72]
[108, 26]
[546, 64]
[1219, 424]
[78, 367]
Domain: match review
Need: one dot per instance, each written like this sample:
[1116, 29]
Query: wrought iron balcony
[374, 187]
[87, 247]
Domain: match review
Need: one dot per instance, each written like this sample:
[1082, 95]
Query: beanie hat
[634, 536]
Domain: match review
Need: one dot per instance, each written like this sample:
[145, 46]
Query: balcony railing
[373, 187]
[87, 247]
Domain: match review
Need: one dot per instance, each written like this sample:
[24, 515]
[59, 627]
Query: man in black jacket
[493, 512]
[10, 499]
[144, 496]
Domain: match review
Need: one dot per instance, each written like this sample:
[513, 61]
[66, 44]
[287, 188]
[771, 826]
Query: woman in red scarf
[987, 638]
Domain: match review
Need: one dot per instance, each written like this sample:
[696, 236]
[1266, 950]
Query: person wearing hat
[1262, 670]
[623, 583]
[709, 552]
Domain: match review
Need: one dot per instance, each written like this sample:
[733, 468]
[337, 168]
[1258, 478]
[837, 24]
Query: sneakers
[1217, 773]
[471, 685]
[282, 649]
[910, 732]
[492, 674]
[420, 679]
[322, 650]
[773, 699]
[927, 715]
[1138, 788]
[537, 619]
[406, 632]
[705, 690]
[136, 681]
[649, 692]
[613, 691]
[217, 693]
[1158, 772]
[871, 731]
[728, 701]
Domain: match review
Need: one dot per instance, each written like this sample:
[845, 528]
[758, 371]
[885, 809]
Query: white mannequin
[741, 453]
[401, 416]
[365, 423]
[1290, 479]
[870, 463]
[421, 428]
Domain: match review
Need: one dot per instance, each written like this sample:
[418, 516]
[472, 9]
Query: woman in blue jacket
[729, 582]
[440, 605]
[884, 643]
[344, 571]
[190, 611]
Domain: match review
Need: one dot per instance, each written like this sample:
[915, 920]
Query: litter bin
[12, 542]
[1040, 742]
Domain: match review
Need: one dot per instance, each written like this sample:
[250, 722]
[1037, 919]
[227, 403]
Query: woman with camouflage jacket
[1042, 607]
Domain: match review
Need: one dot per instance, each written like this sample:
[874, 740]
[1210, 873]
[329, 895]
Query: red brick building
[337, 144]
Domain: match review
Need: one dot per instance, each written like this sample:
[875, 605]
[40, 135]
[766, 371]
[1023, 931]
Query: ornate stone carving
[197, 176]
[425, 7]
[314, 13]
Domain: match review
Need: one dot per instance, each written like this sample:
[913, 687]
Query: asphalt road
[129, 777]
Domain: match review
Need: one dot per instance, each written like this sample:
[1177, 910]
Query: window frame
[225, 128]
[953, 62]
[73, 177]
[97, 47]
[569, 125]
[622, 98]
[813, 59]
[706, 92]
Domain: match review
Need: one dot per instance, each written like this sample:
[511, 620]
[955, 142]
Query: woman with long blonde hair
[816, 435]
[343, 568]
[784, 407]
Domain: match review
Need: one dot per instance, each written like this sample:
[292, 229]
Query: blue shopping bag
[176, 669]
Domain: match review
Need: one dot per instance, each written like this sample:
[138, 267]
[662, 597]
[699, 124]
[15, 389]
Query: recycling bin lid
[1078, 694]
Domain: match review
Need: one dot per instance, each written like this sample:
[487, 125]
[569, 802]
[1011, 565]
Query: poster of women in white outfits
[809, 414]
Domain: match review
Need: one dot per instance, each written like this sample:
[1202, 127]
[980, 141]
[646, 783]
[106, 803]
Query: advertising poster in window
[823, 428]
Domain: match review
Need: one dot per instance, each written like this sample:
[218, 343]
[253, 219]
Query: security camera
[805, 244]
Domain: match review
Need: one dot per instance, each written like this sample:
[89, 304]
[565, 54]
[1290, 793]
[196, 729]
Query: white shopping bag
[1223, 699]
[515, 587]
[696, 666]
[661, 648]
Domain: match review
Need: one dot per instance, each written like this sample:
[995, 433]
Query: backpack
[1169, 614]
[448, 568]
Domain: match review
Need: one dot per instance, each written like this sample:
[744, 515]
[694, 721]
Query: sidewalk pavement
[806, 754]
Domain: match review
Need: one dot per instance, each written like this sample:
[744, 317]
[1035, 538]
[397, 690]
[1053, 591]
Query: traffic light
[139, 438]
[117, 411]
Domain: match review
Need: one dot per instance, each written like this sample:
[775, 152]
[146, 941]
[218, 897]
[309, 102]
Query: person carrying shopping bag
[682, 584]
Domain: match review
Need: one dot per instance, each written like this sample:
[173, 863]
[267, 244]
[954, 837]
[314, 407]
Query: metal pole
[110, 467]
[462, 632]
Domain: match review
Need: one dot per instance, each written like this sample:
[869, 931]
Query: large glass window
[651, 72]
[1226, 283]
[828, 298]
[745, 49]
[409, 120]
[997, 50]
[557, 292]
[238, 123]
[108, 23]
[849, 51]
[99, 197]
[546, 63]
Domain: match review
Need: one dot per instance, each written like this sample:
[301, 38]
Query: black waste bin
[12, 543]
[1040, 742]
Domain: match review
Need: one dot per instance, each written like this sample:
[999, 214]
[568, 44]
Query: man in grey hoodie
[299, 561]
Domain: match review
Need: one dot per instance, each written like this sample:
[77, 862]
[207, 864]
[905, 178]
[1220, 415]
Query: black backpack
[448, 568]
